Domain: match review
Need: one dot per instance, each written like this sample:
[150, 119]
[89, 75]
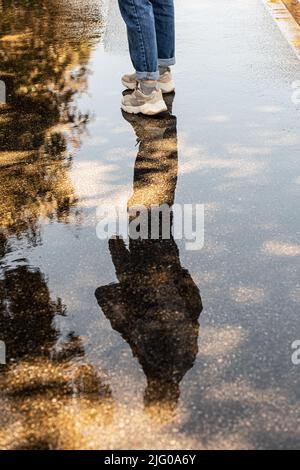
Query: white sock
[163, 69]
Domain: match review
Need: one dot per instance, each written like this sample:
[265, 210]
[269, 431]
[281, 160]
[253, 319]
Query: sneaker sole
[148, 109]
[164, 87]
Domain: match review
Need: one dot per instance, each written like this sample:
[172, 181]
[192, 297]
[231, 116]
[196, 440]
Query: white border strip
[286, 22]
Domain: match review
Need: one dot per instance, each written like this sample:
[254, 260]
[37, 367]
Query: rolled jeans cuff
[147, 75]
[167, 62]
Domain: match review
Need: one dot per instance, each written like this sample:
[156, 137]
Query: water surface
[146, 344]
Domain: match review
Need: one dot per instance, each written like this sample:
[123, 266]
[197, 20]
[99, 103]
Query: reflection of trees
[2, 245]
[27, 313]
[45, 48]
[33, 189]
[39, 382]
[294, 8]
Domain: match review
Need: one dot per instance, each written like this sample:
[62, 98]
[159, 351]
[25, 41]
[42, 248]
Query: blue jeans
[151, 35]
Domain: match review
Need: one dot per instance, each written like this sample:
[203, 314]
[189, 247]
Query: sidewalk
[232, 144]
[238, 149]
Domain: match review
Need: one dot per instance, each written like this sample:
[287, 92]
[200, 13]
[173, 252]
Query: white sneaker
[149, 105]
[165, 82]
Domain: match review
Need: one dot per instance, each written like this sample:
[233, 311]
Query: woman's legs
[151, 35]
[139, 18]
[165, 31]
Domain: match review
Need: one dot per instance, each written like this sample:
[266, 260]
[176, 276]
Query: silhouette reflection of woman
[155, 306]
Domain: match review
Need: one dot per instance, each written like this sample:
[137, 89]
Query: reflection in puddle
[44, 66]
[155, 305]
[294, 7]
[45, 48]
[49, 389]
[40, 383]
[89, 372]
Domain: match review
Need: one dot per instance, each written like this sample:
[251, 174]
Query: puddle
[145, 344]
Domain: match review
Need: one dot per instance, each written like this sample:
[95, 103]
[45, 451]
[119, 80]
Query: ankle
[148, 86]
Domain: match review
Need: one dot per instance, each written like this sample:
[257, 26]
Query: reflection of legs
[155, 172]
[165, 31]
[139, 18]
[155, 305]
